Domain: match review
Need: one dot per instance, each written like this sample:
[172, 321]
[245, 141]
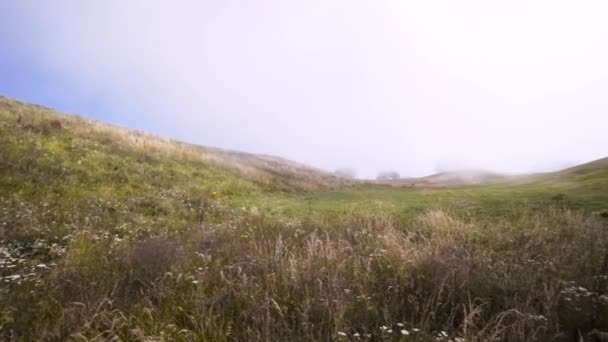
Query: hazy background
[411, 86]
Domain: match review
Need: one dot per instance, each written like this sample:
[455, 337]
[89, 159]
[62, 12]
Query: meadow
[112, 234]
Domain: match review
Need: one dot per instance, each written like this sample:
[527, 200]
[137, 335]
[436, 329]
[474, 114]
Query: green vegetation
[107, 233]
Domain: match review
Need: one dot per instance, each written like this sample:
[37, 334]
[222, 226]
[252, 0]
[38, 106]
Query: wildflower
[214, 194]
[42, 266]
[383, 328]
[404, 332]
[341, 333]
[195, 282]
[400, 324]
[356, 335]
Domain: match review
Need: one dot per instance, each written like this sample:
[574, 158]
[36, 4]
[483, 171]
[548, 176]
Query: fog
[410, 86]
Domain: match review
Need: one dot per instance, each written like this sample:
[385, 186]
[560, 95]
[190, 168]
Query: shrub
[151, 258]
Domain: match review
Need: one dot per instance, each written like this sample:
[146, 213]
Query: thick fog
[410, 86]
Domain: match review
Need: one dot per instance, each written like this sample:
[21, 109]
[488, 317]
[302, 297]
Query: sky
[411, 86]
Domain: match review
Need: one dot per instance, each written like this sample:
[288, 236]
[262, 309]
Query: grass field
[111, 234]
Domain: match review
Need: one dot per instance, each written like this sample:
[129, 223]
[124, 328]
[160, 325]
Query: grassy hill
[600, 165]
[112, 234]
[594, 173]
[70, 141]
[449, 179]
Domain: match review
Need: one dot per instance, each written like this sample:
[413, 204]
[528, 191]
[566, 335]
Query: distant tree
[345, 172]
[387, 175]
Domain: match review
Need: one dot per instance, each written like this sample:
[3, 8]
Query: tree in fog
[387, 175]
[345, 172]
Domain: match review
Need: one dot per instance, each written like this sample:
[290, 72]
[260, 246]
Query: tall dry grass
[368, 278]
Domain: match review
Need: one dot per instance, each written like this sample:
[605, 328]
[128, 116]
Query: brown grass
[253, 278]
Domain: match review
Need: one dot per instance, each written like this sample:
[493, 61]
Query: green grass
[487, 201]
[108, 234]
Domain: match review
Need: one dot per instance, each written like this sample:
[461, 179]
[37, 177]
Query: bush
[153, 257]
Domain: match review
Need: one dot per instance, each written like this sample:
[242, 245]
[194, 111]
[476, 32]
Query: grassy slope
[82, 163]
[107, 232]
[94, 143]
[583, 188]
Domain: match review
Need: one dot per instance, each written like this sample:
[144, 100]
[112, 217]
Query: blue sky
[411, 86]
[24, 77]
[26, 81]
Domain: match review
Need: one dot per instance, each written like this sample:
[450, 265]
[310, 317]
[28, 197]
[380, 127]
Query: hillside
[70, 141]
[112, 234]
[594, 170]
[588, 181]
[591, 172]
[450, 179]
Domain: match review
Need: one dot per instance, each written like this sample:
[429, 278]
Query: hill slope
[591, 172]
[33, 131]
[454, 179]
[588, 179]
[597, 169]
